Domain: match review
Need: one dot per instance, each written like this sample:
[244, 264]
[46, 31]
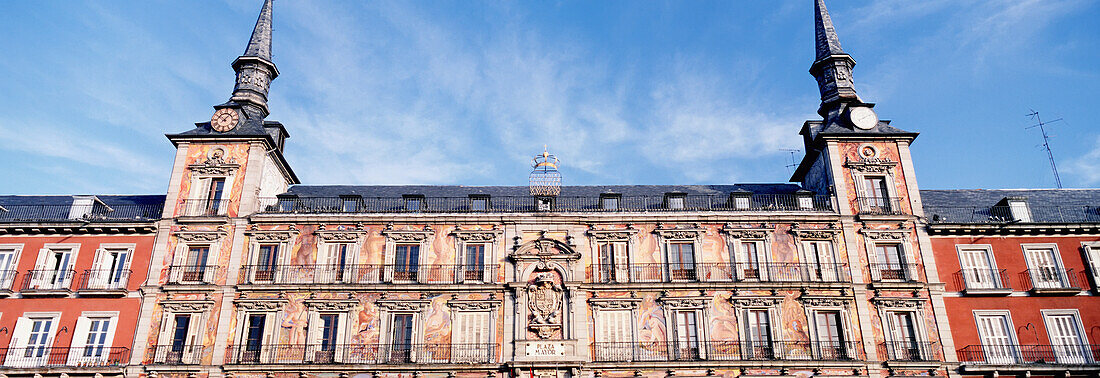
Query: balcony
[879, 206]
[1029, 356]
[983, 281]
[178, 354]
[70, 213]
[202, 207]
[1003, 214]
[103, 282]
[907, 351]
[7, 279]
[380, 354]
[1050, 281]
[529, 204]
[53, 357]
[192, 274]
[726, 351]
[724, 272]
[894, 273]
[359, 274]
[44, 282]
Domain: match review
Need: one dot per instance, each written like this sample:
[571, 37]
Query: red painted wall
[12, 308]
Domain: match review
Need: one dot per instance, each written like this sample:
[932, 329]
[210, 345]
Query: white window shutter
[620, 256]
[80, 338]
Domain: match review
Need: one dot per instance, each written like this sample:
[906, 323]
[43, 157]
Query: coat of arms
[544, 300]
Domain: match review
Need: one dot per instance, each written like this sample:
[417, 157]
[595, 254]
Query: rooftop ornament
[545, 178]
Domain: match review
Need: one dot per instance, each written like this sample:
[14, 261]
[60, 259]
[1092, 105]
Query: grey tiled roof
[58, 208]
[978, 205]
[518, 191]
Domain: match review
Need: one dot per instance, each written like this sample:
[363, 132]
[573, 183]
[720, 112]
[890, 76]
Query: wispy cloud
[1087, 166]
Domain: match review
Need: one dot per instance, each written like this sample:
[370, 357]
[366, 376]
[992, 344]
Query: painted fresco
[886, 151]
[234, 154]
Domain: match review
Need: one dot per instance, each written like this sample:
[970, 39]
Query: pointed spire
[828, 44]
[260, 44]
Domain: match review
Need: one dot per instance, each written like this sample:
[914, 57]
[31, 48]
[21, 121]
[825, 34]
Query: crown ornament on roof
[545, 178]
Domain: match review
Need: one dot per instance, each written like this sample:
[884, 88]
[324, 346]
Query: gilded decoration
[544, 298]
[871, 165]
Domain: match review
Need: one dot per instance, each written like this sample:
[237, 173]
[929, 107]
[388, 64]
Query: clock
[224, 119]
[863, 117]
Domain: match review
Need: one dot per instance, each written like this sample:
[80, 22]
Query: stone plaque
[545, 349]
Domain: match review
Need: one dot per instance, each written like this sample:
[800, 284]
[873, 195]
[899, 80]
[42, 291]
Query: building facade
[850, 270]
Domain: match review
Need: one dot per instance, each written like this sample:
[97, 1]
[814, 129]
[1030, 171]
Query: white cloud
[1087, 166]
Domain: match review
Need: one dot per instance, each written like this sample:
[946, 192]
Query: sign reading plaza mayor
[545, 349]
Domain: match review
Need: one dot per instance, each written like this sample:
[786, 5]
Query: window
[891, 262]
[53, 270]
[675, 200]
[1045, 267]
[687, 335]
[614, 335]
[904, 343]
[1092, 260]
[332, 266]
[821, 261]
[751, 260]
[995, 331]
[194, 269]
[474, 267]
[350, 204]
[978, 269]
[406, 262]
[414, 202]
[401, 341]
[214, 195]
[38, 340]
[179, 339]
[110, 269]
[610, 201]
[544, 203]
[1019, 210]
[471, 336]
[254, 337]
[92, 339]
[681, 260]
[1066, 337]
[759, 334]
[31, 340]
[327, 333]
[267, 257]
[9, 257]
[876, 189]
[830, 335]
[181, 327]
[613, 265]
[479, 203]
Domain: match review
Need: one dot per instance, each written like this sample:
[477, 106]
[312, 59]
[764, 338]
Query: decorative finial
[545, 178]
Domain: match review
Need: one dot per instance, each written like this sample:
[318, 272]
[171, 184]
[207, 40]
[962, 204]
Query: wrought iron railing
[48, 280]
[362, 353]
[1015, 354]
[7, 278]
[104, 279]
[47, 356]
[90, 213]
[203, 207]
[367, 274]
[725, 351]
[724, 272]
[879, 206]
[1049, 278]
[1003, 214]
[982, 279]
[907, 351]
[175, 354]
[192, 274]
[525, 204]
[894, 272]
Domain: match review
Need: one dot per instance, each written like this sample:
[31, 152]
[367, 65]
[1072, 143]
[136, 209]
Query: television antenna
[1046, 142]
[792, 163]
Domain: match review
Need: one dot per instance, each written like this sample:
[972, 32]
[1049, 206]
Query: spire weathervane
[254, 68]
[832, 66]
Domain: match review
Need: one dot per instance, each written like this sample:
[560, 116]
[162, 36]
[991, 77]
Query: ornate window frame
[387, 308]
[812, 305]
[492, 307]
[423, 238]
[215, 166]
[700, 305]
[666, 236]
[271, 308]
[762, 236]
[328, 239]
[200, 312]
[187, 238]
[915, 306]
[900, 236]
[345, 311]
[603, 305]
[490, 238]
[284, 239]
[772, 304]
[805, 236]
[873, 166]
[627, 237]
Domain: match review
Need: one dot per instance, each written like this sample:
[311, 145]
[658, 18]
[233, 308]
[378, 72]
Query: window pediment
[408, 235]
[684, 302]
[404, 304]
[261, 304]
[756, 301]
[746, 233]
[829, 233]
[189, 235]
[340, 235]
[612, 235]
[477, 235]
[871, 165]
[187, 306]
[914, 303]
[257, 234]
[681, 233]
[885, 235]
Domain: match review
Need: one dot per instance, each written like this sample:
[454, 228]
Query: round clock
[863, 117]
[224, 119]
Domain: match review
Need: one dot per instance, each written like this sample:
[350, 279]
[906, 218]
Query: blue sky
[624, 92]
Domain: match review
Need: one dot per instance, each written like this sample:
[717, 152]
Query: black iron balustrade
[175, 354]
[7, 278]
[723, 272]
[879, 206]
[725, 351]
[351, 274]
[907, 351]
[894, 272]
[977, 279]
[508, 204]
[53, 356]
[104, 279]
[204, 207]
[1047, 278]
[1017, 354]
[1003, 214]
[96, 213]
[48, 280]
[382, 354]
[192, 274]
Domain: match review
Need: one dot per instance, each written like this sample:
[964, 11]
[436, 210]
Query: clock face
[224, 119]
[863, 117]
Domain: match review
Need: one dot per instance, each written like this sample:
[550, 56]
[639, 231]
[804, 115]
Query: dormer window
[1019, 210]
[414, 202]
[350, 204]
[479, 202]
[86, 207]
[741, 200]
[610, 201]
[544, 203]
[286, 202]
[675, 200]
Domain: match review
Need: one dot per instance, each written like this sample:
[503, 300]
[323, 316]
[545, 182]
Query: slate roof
[1045, 205]
[120, 208]
[520, 191]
